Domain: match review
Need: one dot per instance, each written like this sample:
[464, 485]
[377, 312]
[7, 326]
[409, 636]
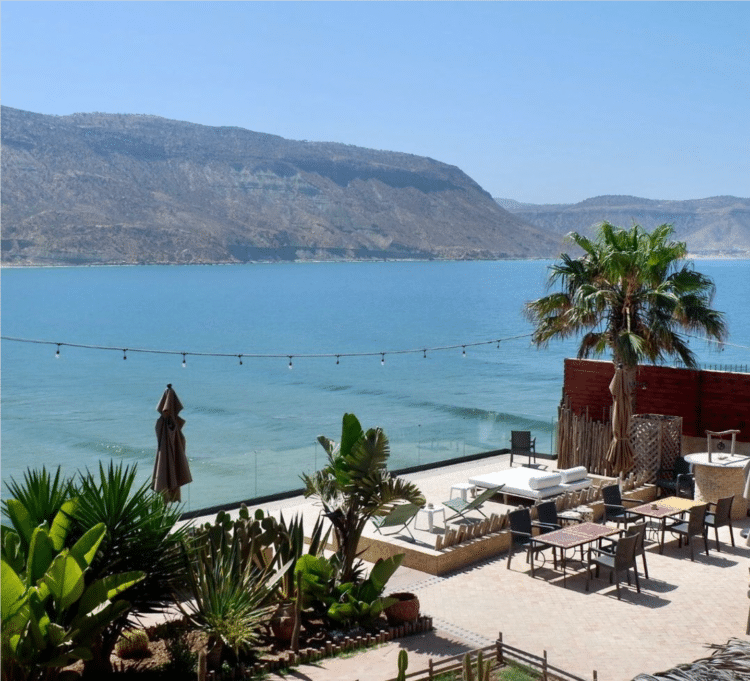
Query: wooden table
[661, 509]
[574, 536]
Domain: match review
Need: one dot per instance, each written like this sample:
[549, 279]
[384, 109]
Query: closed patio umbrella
[171, 469]
[620, 453]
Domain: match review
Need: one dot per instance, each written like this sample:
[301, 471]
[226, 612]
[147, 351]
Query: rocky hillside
[718, 226]
[100, 188]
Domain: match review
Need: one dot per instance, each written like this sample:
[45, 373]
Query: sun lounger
[461, 507]
[529, 483]
[399, 516]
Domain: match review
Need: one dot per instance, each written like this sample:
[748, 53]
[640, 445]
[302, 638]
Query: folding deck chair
[399, 516]
[462, 507]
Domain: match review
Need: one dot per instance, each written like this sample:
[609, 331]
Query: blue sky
[543, 102]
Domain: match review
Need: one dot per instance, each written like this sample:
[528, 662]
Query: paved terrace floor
[682, 608]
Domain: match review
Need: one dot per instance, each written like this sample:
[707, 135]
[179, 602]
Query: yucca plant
[141, 535]
[41, 494]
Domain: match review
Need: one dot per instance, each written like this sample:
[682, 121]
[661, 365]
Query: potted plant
[405, 609]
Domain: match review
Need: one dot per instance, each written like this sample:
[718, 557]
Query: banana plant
[49, 616]
[348, 602]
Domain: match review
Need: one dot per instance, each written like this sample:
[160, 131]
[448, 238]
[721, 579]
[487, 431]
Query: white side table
[431, 510]
[463, 488]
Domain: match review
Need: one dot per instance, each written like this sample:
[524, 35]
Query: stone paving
[682, 608]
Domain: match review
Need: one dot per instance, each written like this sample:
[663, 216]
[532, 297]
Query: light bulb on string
[382, 359]
[291, 366]
[337, 358]
[240, 356]
[184, 361]
[125, 353]
[424, 356]
[463, 354]
[57, 354]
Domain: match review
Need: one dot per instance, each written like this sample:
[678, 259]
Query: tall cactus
[482, 671]
[403, 663]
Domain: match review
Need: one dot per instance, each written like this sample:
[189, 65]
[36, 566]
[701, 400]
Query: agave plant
[230, 590]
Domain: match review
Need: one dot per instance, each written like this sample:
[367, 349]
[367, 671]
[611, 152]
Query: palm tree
[628, 293]
[354, 486]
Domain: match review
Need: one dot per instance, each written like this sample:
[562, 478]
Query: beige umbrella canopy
[171, 469]
[620, 453]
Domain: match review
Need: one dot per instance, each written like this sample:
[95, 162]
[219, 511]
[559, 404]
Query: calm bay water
[251, 428]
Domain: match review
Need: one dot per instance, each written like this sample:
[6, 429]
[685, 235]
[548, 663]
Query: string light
[463, 354]
[291, 366]
[241, 356]
[382, 359]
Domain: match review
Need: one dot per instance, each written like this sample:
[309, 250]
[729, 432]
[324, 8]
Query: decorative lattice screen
[657, 441]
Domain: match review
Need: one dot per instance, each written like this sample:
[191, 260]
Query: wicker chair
[639, 530]
[614, 506]
[521, 535]
[677, 481]
[547, 520]
[521, 443]
[693, 527]
[622, 559]
[719, 517]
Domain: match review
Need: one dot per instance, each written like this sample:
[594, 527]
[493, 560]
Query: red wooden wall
[706, 400]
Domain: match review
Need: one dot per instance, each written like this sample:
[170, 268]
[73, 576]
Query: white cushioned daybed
[531, 483]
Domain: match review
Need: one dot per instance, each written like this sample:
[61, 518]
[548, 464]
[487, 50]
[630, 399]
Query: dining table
[573, 536]
[665, 508]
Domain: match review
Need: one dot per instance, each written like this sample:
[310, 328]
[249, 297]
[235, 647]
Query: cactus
[482, 671]
[132, 644]
[403, 663]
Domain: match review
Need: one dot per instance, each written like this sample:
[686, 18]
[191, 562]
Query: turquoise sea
[251, 427]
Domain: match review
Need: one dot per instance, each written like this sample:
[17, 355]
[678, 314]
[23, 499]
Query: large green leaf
[65, 580]
[22, 521]
[85, 548]
[61, 524]
[103, 590]
[13, 593]
[41, 555]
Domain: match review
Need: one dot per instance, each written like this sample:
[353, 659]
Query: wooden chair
[461, 507]
[399, 516]
[719, 517]
[622, 559]
[521, 443]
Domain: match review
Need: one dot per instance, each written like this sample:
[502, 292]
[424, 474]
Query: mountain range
[716, 226]
[113, 189]
[100, 188]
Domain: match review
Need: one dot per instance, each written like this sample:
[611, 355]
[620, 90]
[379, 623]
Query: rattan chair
[639, 530]
[619, 561]
[521, 534]
[677, 481]
[693, 527]
[614, 506]
[521, 443]
[547, 520]
[719, 517]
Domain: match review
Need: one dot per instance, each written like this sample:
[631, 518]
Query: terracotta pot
[405, 609]
[282, 622]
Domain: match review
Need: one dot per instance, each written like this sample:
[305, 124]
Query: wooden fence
[501, 654]
[582, 440]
